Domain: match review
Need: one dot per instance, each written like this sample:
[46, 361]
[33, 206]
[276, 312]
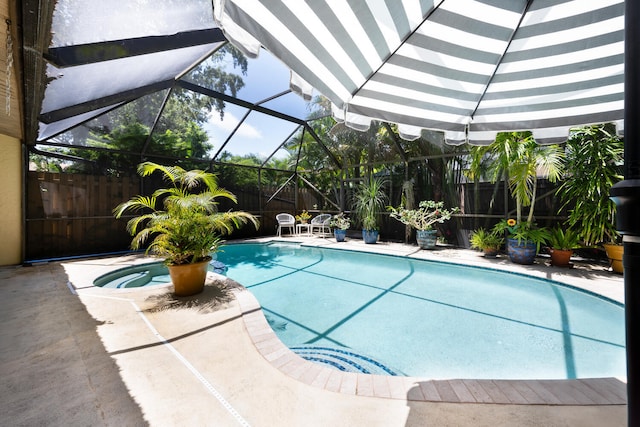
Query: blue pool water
[391, 315]
[429, 319]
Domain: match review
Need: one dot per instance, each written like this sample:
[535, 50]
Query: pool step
[344, 360]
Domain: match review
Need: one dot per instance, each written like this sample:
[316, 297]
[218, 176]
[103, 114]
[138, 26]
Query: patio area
[74, 354]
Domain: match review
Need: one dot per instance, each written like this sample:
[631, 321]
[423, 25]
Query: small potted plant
[183, 223]
[423, 219]
[523, 241]
[487, 241]
[368, 202]
[561, 246]
[303, 217]
[340, 223]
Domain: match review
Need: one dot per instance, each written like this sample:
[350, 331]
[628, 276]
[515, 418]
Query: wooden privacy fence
[71, 214]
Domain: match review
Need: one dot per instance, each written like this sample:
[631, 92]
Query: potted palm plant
[487, 241]
[368, 202]
[423, 220]
[182, 222]
[517, 158]
[561, 244]
[340, 224]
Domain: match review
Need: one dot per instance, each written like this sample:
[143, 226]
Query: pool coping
[578, 392]
[574, 392]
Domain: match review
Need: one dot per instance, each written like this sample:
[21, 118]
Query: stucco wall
[10, 201]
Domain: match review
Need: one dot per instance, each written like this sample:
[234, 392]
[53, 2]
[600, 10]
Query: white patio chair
[320, 223]
[285, 220]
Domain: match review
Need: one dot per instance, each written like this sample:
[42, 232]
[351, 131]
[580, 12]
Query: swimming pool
[430, 319]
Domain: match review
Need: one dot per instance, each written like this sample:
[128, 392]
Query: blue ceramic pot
[426, 238]
[523, 252]
[340, 235]
[370, 236]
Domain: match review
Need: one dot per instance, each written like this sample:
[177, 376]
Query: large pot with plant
[368, 202]
[593, 165]
[561, 246]
[423, 219]
[517, 158]
[182, 223]
[524, 239]
[487, 241]
[340, 224]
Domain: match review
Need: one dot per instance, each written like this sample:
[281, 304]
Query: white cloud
[226, 126]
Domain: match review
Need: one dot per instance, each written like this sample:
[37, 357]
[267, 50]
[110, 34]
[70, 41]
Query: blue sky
[260, 134]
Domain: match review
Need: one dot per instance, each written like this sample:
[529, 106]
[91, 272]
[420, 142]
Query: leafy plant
[425, 216]
[187, 226]
[368, 201]
[593, 165]
[516, 158]
[563, 240]
[483, 239]
[522, 231]
[340, 221]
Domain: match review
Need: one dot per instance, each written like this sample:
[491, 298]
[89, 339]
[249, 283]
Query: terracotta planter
[521, 253]
[560, 258]
[426, 238]
[340, 235]
[490, 252]
[188, 279]
[615, 253]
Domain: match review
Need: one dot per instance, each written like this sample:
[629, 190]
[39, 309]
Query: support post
[626, 195]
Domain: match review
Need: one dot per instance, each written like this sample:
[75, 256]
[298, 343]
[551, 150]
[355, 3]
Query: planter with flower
[487, 241]
[183, 223]
[523, 239]
[340, 224]
[303, 217]
[423, 219]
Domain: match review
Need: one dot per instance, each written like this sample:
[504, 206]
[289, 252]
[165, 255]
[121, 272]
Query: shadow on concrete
[54, 367]
[217, 295]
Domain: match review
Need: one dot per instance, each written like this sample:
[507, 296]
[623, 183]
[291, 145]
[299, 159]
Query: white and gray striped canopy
[471, 68]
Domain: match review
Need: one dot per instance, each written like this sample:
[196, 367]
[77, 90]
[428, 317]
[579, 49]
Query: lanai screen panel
[105, 53]
[261, 135]
[78, 22]
[95, 82]
[47, 131]
[143, 111]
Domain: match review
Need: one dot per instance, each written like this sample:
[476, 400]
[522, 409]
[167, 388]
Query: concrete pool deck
[134, 357]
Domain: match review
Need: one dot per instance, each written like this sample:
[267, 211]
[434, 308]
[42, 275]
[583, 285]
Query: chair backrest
[285, 218]
[321, 219]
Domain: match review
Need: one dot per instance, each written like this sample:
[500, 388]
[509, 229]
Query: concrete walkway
[80, 355]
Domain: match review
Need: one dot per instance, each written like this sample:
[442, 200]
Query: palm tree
[518, 159]
[189, 227]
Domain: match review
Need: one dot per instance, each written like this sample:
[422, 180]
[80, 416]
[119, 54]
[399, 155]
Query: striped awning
[470, 68]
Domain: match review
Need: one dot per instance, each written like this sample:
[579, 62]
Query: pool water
[430, 319]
